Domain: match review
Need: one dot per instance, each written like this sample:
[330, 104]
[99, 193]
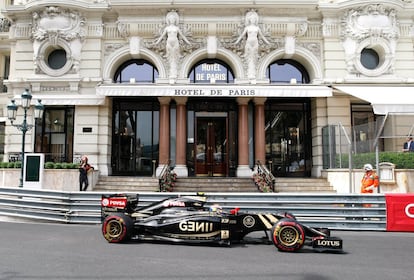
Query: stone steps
[201, 184]
[126, 184]
[303, 185]
[208, 184]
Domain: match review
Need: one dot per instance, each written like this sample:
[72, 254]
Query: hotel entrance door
[211, 146]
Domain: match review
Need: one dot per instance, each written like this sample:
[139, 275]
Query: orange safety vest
[370, 179]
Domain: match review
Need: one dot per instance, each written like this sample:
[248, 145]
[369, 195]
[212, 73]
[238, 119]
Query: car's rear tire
[117, 228]
[288, 235]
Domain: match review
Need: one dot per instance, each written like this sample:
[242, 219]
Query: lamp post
[24, 126]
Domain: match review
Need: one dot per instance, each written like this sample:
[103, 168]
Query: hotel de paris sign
[205, 90]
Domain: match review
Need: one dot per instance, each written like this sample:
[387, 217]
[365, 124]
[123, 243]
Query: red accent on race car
[174, 204]
[234, 211]
[400, 212]
[114, 202]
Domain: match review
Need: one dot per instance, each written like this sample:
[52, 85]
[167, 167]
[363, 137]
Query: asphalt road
[40, 251]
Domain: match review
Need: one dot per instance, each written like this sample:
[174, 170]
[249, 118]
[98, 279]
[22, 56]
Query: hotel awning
[214, 90]
[79, 99]
[384, 99]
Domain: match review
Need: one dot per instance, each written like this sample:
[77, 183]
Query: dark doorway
[211, 146]
[288, 138]
[135, 138]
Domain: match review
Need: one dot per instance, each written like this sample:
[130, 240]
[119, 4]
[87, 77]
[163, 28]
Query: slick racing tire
[288, 235]
[117, 228]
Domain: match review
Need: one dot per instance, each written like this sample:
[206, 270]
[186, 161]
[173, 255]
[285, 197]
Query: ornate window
[58, 35]
[373, 59]
[369, 58]
[287, 71]
[370, 34]
[55, 60]
[136, 71]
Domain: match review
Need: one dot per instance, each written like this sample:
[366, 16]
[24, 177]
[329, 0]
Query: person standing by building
[409, 145]
[370, 181]
[84, 168]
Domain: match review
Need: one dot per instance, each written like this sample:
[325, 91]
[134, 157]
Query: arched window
[136, 71]
[287, 71]
[211, 71]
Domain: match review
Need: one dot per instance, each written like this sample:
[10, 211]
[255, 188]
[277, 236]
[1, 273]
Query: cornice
[333, 8]
[200, 3]
[13, 11]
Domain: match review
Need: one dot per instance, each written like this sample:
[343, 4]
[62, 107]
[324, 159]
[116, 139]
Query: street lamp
[24, 126]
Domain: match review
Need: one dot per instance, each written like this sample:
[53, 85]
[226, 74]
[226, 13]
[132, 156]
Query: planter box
[53, 179]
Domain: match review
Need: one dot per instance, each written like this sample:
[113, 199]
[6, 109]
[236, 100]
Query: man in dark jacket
[409, 145]
[84, 168]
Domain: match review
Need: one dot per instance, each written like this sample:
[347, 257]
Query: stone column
[181, 141]
[243, 169]
[259, 130]
[164, 153]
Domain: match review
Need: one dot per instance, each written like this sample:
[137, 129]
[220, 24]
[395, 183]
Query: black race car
[187, 219]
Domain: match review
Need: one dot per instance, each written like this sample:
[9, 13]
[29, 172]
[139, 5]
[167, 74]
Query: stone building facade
[212, 86]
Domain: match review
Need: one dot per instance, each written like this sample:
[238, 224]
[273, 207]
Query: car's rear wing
[119, 203]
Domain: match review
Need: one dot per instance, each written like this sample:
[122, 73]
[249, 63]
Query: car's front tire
[288, 235]
[117, 228]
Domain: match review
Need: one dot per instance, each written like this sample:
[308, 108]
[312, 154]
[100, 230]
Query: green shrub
[65, 165]
[73, 165]
[49, 165]
[401, 160]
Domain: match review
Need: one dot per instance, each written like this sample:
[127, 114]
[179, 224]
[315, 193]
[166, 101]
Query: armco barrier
[336, 211]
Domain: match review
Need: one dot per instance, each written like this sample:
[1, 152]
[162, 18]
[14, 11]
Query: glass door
[211, 147]
[135, 138]
[288, 142]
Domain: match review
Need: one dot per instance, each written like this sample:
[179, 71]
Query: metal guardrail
[336, 211]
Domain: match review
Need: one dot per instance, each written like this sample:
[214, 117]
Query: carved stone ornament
[251, 41]
[375, 27]
[173, 40]
[57, 28]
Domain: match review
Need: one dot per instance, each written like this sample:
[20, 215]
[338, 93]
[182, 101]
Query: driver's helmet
[215, 208]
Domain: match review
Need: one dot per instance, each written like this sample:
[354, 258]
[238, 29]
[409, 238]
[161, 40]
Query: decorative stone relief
[251, 41]
[123, 29]
[57, 28]
[110, 48]
[314, 47]
[5, 25]
[330, 27]
[375, 27]
[173, 42]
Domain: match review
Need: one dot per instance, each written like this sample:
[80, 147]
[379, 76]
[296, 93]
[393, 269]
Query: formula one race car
[186, 219]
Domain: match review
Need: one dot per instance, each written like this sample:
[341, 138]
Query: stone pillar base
[160, 168]
[181, 171]
[244, 171]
